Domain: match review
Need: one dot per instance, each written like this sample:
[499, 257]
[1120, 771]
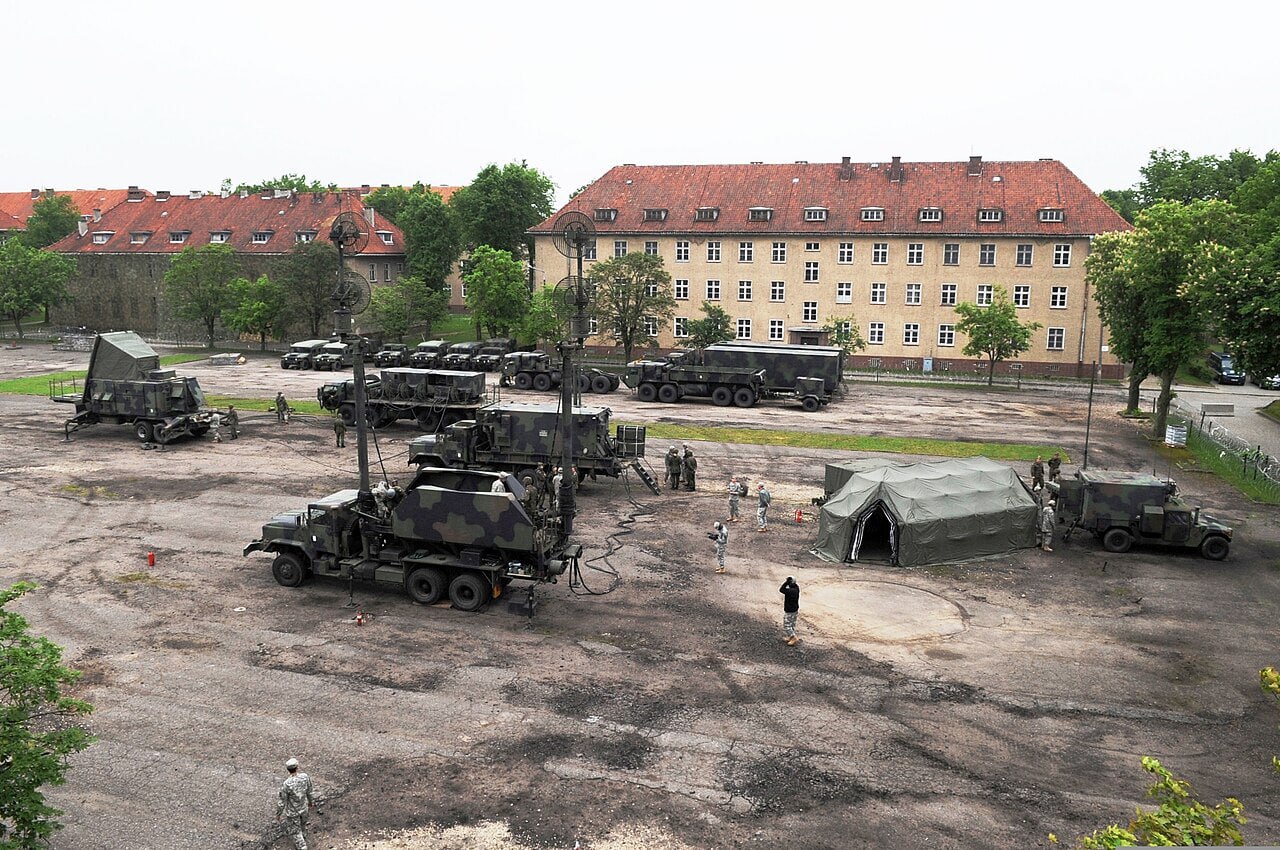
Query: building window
[620, 248]
[589, 250]
[399, 268]
[951, 254]
[930, 214]
[177, 237]
[915, 291]
[651, 290]
[1022, 296]
[680, 327]
[879, 293]
[706, 214]
[655, 215]
[875, 333]
[873, 214]
[812, 246]
[1062, 255]
[713, 252]
[778, 290]
[809, 311]
[139, 238]
[373, 271]
[744, 290]
[682, 289]
[651, 248]
[1058, 298]
[1051, 215]
[987, 254]
[462, 291]
[759, 214]
[915, 253]
[261, 237]
[1025, 252]
[713, 290]
[911, 334]
[387, 237]
[682, 251]
[845, 253]
[775, 330]
[811, 271]
[1057, 336]
[606, 214]
[990, 215]
[306, 236]
[879, 253]
[779, 252]
[986, 292]
[650, 326]
[593, 327]
[386, 272]
[744, 329]
[815, 213]
[746, 252]
[218, 237]
[946, 335]
[844, 292]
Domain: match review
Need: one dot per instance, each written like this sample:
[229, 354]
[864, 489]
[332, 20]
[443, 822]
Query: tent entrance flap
[876, 536]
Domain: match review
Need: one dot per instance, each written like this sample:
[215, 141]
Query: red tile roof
[445, 192]
[8, 222]
[20, 204]
[240, 217]
[1019, 189]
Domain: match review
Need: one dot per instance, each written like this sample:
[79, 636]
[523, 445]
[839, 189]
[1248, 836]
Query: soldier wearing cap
[1037, 475]
[1047, 519]
[721, 538]
[339, 431]
[233, 421]
[689, 469]
[282, 408]
[1055, 467]
[673, 468]
[763, 500]
[736, 491]
[294, 803]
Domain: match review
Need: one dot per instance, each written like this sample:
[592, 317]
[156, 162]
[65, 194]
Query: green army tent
[924, 513]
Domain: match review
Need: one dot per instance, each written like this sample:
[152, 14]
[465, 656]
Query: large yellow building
[892, 246]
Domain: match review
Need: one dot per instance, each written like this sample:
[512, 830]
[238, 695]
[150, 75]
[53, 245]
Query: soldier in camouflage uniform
[689, 469]
[721, 538]
[339, 431]
[1055, 466]
[1037, 475]
[294, 803]
[233, 421]
[736, 491]
[673, 468]
[1047, 519]
[763, 500]
[282, 409]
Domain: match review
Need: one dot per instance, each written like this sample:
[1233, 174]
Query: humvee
[301, 355]
[333, 356]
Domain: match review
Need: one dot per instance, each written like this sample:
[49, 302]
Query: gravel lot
[965, 705]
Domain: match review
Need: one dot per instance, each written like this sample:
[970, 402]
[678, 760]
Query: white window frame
[873, 213]
[777, 291]
[261, 237]
[809, 311]
[386, 272]
[1062, 255]
[911, 333]
[815, 213]
[219, 237]
[1060, 333]
[1050, 215]
[777, 328]
[931, 214]
[373, 272]
[950, 291]
[914, 294]
[650, 326]
[651, 247]
[682, 250]
[844, 253]
[951, 253]
[101, 237]
[746, 252]
[813, 246]
[713, 251]
[990, 215]
[844, 292]
[619, 248]
[706, 214]
[713, 286]
[387, 237]
[139, 238]
[1025, 256]
[680, 327]
[946, 336]
[986, 253]
[986, 295]
[681, 287]
[760, 214]
[879, 292]
[589, 250]
[875, 333]
[879, 253]
[1058, 298]
[779, 254]
[915, 253]
[651, 289]
[744, 329]
[177, 237]
[744, 290]
[811, 271]
[1022, 295]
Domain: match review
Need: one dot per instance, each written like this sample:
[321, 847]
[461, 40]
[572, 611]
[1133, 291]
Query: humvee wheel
[1117, 540]
[722, 396]
[468, 592]
[542, 382]
[523, 380]
[744, 397]
[647, 392]
[287, 569]
[348, 414]
[601, 384]
[142, 430]
[426, 585]
[1215, 548]
[810, 403]
[668, 393]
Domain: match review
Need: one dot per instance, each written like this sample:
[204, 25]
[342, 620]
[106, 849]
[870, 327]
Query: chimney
[135, 194]
[97, 214]
[975, 166]
[846, 169]
[896, 171]
[35, 194]
[224, 194]
[195, 194]
[368, 215]
[83, 226]
[364, 190]
[244, 193]
[162, 195]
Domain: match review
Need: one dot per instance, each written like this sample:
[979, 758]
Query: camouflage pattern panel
[122, 356]
[638, 372]
[333, 394]
[782, 364]
[533, 428]
[723, 375]
[411, 384]
[477, 518]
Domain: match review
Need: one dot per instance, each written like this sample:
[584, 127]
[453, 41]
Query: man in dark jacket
[790, 609]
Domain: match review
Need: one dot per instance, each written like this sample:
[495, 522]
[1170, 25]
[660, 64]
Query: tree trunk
[1135, 392]
[1162, 406]
[17, 323]
[991, 372]
[208, 326]
[263, 344]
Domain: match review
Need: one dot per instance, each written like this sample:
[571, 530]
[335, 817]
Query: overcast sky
[179, 96]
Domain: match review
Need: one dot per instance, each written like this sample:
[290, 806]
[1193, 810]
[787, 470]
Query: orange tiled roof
[445, 192]
[200, 216]
[1018, 189]
[21, 204]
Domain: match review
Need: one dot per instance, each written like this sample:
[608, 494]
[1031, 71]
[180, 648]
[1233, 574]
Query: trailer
[433, 398]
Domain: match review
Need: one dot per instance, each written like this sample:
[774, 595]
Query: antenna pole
[342, 330]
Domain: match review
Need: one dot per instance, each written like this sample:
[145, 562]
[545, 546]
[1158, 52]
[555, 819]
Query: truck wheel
[426, 585]
[468, 592]
[668, 393]
[647, 392]
[614, 382]
[288, 570]
[159, 435]
[1117, 540]
[542, 382]
[744, 397]
[601, 384]
[584, 383]
[142, 430]
[722, 396]
[348, 414]
[523, 380]
[810, 403]
[1215, 548]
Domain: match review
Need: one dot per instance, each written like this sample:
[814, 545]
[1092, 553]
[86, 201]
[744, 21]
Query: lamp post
[1088, 421]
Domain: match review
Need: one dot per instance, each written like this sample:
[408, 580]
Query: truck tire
[647, 392]
[722, 396]
[810, 403]
[1215, 548]
[288, 570]
[142, 430]
[426, 585]
[523, 380]
[542, 382]
[584, 383]
[159, 435]
[468, 592]
[614, 382]
[1117, 540]
[669, 393]
[744, 397]
[347, 412]
[601, 384]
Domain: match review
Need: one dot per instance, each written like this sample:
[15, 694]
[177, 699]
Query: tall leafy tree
[31, 278]
[390, 200]
[994, 331]
[410, 305]
[500, 204]
[496, 292]
[844, 332]
[548, 317]
[1175, 175]
[292, 182]
[715, 326]
[257, 307]
[432, 238]
[309, 275]
[633, 299]
[39, 727]
[1120, 306]
[198, 284]
[52, 217]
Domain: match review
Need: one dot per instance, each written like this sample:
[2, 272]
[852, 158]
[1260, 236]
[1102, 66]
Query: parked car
[1268, 382]
[1223, 367]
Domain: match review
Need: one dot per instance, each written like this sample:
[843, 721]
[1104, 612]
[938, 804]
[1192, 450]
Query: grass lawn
[1272, 411]
[1202, 455]
[39, 384]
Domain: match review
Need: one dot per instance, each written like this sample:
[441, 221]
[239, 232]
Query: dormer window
[655, 215]
[873, 213]
[759, 214]
[387, 237]
[990, 215]
[101, 237]
[931, 214]
[306, 235]
[706, 214]
[815, 213]
[218, 237]
[1052, 215]
[606, 214]
[177, 237]
[139, 238]
[262, 237]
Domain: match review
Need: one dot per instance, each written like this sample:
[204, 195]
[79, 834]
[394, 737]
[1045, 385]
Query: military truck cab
[392, 354]
[334, 356]
[460, 355]
[664, 381]
[429, 354]
[301, 355]
[526, 370]
[489, 357]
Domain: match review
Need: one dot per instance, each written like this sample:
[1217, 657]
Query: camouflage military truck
[333, 356]
[434, 398]
[126, 386]
[446, 535]
[790, 370]
[1123, 508]
[526, 370]
[429, 354]
[489, 357]
[460, 354]
[392, 354]
[658, 380]
[301, 355]
[518, 437]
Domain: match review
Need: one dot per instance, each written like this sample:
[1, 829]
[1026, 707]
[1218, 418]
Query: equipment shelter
[924, 513]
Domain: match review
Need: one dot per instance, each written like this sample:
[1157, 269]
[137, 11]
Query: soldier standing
[282, 408]
[721, 538]
[763, 500]
[1047, 519]
[1037, 475]
[556, 481]
[736, 491]
[233, 421]
[790, 609]
[216, 421]
[689, 467]
[339, 431]
[673, 468]
[1055, 466]
[294, 803]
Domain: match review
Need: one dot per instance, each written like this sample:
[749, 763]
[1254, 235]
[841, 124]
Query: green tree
[31, 278]
[257, 307]
[292, 182]
[433, 242]
[309, 275]
[407, 306]
[843, 331]
[496, 292]
[994, 331]
[500, 204]
[716, 326]
[389, 201]
[198, 284]
[548, 317]
[633, 299]
[1271, 684]
[52, 217]
[1123, 201]
[38, 727]
[1120, 306]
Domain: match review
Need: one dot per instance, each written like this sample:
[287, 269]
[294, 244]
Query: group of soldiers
[1048, 517]
[681, 469]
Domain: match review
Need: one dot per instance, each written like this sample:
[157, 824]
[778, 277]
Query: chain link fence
[1254, 463]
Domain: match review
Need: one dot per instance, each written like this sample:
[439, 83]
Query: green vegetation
[1272, 411]
[1208, 455]
[39, 384]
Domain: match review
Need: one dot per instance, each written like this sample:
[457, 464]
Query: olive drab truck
[301, 355]
[333, 356]
[460, 354]
[811, 374]
[1124, 508]
[669, 382]
[433, 398]
[536, 370]
[428, 354]
[489, 357]
[126, 386]
[392, 354]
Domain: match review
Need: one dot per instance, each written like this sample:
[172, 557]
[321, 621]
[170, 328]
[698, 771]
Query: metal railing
[1254, 462]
